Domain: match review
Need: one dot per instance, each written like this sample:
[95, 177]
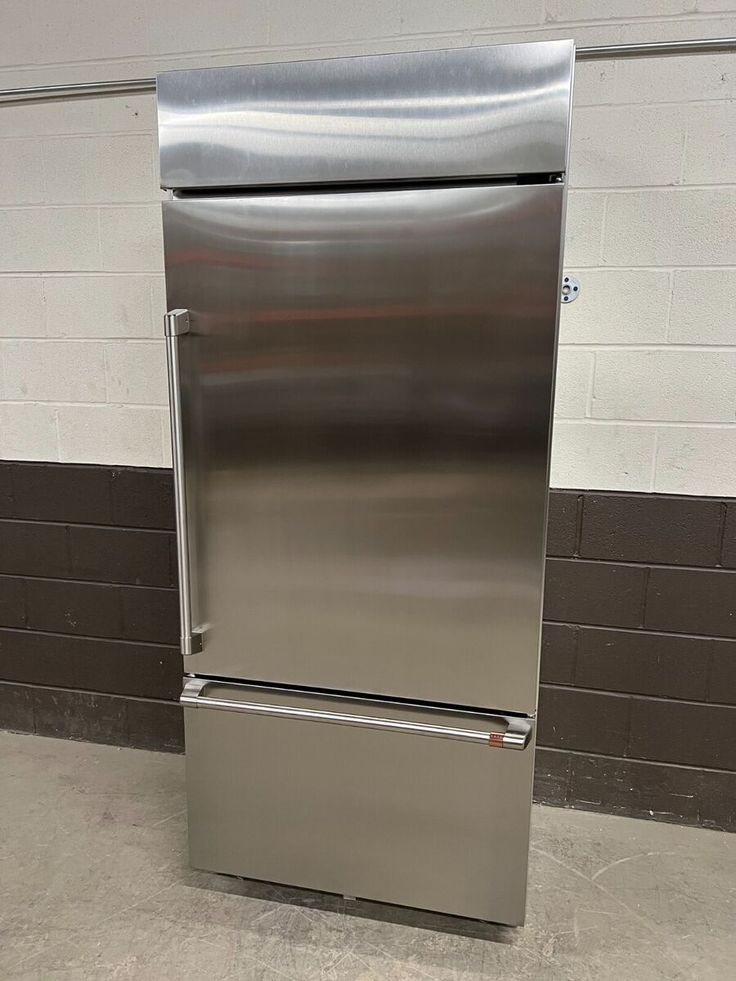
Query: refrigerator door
[407, 816]
[365, 391]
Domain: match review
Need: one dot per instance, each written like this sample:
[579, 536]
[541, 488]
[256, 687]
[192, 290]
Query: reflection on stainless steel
[449, 113]
[375, 375]
[365, 394]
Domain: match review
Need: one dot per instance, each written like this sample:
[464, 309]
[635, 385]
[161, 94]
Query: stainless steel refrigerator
[363, 278]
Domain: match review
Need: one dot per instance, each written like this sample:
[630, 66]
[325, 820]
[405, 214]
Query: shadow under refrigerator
[363, 279]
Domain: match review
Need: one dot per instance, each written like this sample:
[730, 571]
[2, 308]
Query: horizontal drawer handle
[516, 734]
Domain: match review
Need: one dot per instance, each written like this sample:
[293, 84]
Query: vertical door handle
[176, 323]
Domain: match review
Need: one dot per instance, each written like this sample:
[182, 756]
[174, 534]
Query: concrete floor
[94, 884]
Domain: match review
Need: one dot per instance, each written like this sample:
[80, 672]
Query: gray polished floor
[94, 884]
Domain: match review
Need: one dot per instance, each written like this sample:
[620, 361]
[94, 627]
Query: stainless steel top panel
[463, 112]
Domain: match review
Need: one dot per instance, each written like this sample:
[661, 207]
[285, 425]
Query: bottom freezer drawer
[395, 803]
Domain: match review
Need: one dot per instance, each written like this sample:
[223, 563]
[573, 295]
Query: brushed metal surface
[395, 817]
[367, 386]
[461, 112]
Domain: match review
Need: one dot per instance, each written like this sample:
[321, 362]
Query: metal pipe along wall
[137, 86]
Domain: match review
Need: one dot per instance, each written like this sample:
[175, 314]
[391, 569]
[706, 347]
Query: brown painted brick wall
[88, 604]
[637, 710]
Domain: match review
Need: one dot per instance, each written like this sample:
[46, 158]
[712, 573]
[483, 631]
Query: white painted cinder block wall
[647, 374]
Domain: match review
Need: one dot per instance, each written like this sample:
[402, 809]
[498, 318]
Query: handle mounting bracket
[176, 323]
